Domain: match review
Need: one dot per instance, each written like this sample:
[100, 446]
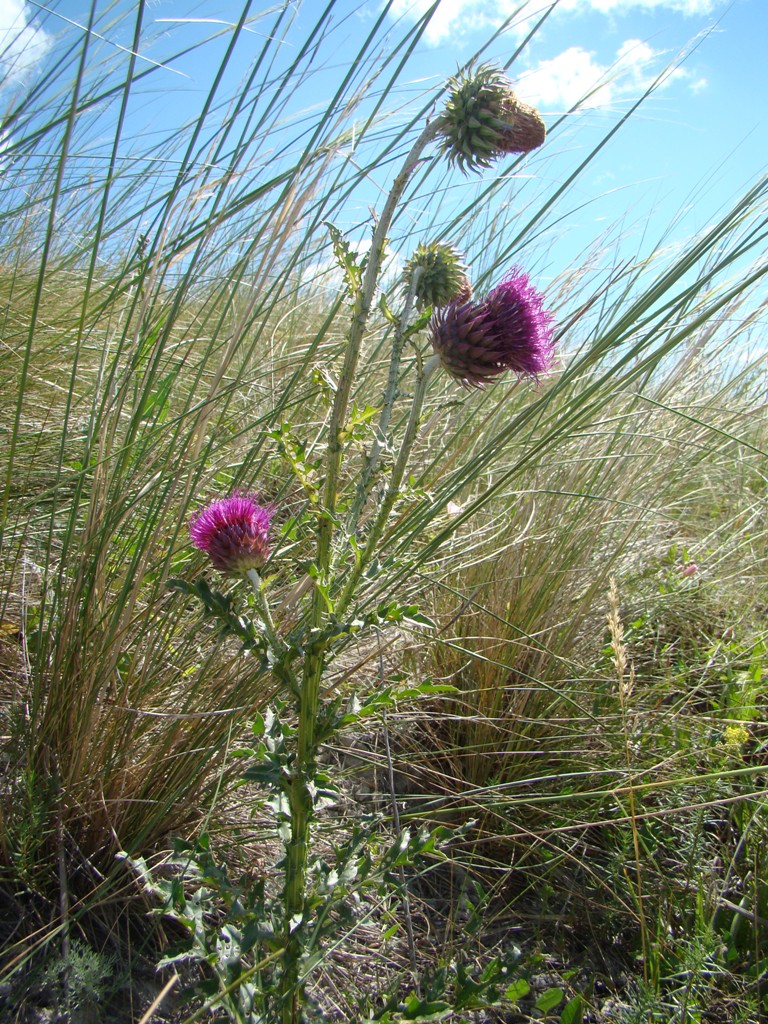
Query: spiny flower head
[509, 330]
[234, 532]
[483, 119]
[442, 276]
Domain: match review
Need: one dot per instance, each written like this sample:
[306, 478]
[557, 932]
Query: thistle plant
[164, 343]
[474, 342]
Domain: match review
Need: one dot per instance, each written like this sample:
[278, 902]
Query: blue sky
[696, 143]
[691, 149]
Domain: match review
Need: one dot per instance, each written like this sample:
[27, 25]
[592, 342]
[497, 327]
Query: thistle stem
[303, 772]
[393, 488]
[281, 665]
[300, 801]
[266, 616]
[360, 314]
[390, 394]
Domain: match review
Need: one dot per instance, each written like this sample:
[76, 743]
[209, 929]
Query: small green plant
[80, 982]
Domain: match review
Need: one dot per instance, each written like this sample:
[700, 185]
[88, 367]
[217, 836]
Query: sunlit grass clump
[349, 612]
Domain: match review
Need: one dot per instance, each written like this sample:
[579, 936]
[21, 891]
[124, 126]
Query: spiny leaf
[347, 260]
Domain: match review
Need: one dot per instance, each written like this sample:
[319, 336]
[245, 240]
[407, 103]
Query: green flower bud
[483, 119]
[440, 275]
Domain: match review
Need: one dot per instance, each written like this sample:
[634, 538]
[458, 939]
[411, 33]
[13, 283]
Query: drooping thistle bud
[440, 275]
[234, 532]
[483, 119]
[509, 330]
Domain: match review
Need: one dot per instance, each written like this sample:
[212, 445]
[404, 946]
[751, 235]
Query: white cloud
[686, 7]
[455, 18]
[576, 77]
[22, 44]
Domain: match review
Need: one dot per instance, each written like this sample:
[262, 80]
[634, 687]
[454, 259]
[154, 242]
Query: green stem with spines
[390, 394]
[303, 772]
[281, 666]
[393, 487]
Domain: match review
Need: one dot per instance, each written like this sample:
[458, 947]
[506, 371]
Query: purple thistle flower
[509, 330]
[234, 532]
